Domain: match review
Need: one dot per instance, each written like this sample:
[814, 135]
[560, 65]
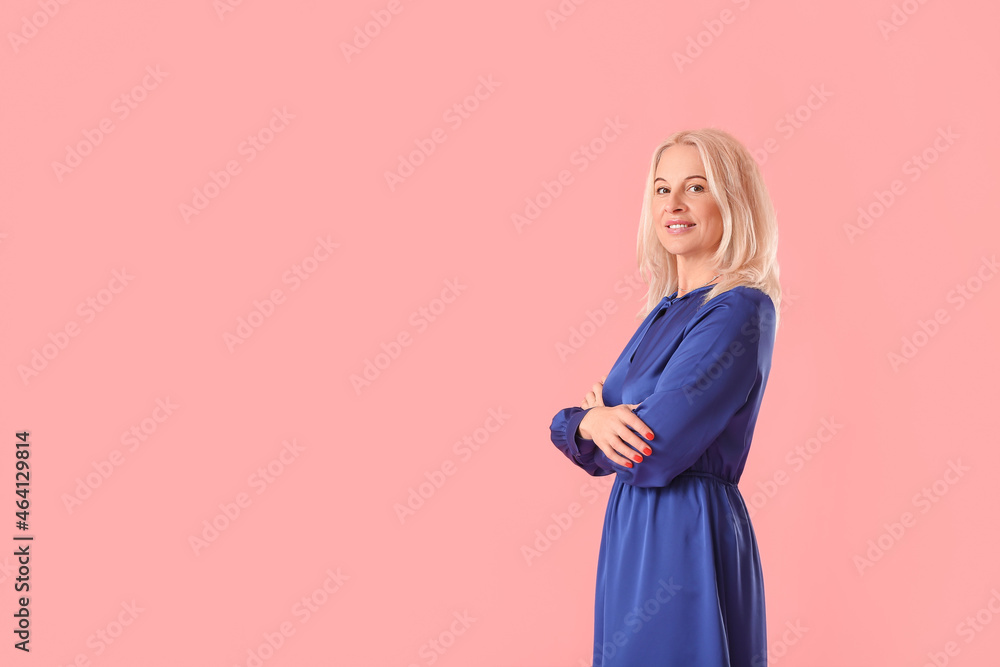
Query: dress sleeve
[578, 449]
[706, 381]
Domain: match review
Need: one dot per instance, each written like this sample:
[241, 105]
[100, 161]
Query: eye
[661, 190]
[701, 188]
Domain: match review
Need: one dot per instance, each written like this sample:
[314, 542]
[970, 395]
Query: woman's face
[681, 196]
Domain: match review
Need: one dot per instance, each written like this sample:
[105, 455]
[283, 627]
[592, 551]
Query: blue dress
[679, 578]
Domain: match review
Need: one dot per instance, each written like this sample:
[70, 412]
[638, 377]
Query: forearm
[567, 436]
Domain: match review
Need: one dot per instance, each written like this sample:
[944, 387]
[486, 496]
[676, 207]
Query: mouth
[679, 224]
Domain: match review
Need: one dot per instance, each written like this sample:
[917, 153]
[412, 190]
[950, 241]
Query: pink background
[835, 104]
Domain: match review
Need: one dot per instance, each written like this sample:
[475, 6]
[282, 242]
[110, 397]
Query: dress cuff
[579, 445]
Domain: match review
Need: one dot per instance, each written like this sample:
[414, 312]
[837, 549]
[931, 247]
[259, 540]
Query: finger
[614, 456]
[640, 427]
[625, 450]
[634, 442]
[640, 444]
[598, 393]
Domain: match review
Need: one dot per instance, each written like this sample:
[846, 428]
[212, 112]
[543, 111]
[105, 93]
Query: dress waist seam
[709, 475]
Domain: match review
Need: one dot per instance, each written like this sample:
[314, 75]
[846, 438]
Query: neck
[689, 278]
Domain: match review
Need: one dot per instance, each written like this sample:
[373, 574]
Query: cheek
[718, 227]
[713, 219]
[716, 217]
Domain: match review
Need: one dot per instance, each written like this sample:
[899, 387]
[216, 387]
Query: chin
[672, 246]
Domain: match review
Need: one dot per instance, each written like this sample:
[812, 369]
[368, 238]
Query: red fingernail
[628, 463]
[647, 451]
[637, 457]
[649, 436]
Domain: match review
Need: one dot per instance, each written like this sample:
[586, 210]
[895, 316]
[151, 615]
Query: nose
[673, 202]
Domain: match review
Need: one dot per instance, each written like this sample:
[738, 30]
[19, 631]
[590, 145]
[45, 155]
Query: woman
[679, 579]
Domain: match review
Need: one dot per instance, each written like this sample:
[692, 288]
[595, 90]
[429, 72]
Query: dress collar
[672, 297]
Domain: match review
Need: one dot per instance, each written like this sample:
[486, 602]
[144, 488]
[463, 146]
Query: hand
[595, 395]
[609, 429]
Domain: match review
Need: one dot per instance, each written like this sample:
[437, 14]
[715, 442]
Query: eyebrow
[686, 179]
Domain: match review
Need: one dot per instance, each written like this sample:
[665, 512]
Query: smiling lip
[679, 222]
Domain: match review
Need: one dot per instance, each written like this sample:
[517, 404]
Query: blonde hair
[747, 253]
